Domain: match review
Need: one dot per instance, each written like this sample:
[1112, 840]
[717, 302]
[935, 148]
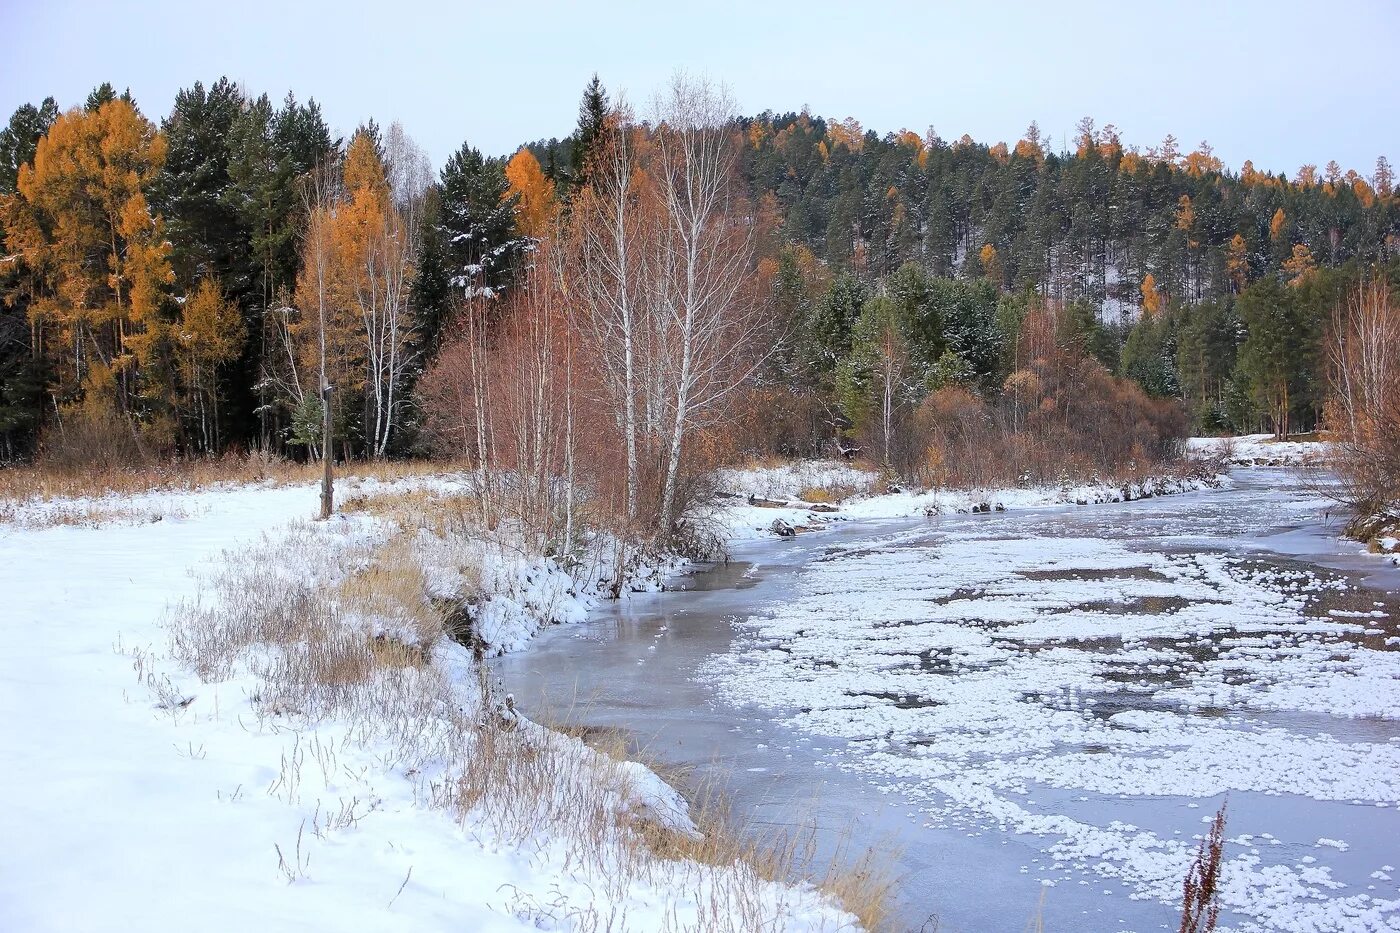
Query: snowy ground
[1257, 450]
[784, 484]
[140, 796]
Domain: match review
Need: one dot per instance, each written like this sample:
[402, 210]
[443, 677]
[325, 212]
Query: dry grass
[44, 482]
[828, 495]
[87, 514]
[337, 627]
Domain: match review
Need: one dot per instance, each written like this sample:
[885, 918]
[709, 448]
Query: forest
[690, 284]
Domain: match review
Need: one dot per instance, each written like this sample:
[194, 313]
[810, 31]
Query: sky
[1282, 83]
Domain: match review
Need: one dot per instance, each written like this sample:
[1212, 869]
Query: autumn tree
[210, 334]
[352, 326]
[98, 263]
[374, 251]
[532, 193]
[1237, 262]
[664, 273]
[1151, 296]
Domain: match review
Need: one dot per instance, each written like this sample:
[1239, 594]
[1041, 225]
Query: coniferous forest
[172, 281]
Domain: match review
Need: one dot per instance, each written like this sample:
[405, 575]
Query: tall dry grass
[51, 480]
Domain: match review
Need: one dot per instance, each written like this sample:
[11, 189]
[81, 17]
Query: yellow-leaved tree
[1151, 296]
[1300, 265]
[1237, 262]
[536, 208]
[96, 259]
[211, 333]
[353, 328]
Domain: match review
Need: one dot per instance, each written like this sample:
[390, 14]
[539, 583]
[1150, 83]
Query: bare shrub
[1061, 416]
[1362, 411]
[779, 422]
[91, 438]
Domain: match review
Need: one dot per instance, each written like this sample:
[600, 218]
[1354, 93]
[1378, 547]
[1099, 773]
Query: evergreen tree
[968, 311]
[826, 337]
[432, 293]
[207, 234]
[19, 139]
[1278, 357]
[592, 118]
[1149, 357]
[478, 222]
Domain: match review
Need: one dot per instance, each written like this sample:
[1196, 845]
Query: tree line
[184, 288]
[191, 286]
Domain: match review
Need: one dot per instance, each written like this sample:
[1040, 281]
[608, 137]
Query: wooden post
[327, 478]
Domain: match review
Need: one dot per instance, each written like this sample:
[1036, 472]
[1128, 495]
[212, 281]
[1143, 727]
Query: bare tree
[317, 195]
[704, 262]
[609, 232]
[1363, 409]
[381, 292]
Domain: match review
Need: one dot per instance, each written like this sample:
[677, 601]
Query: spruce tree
[20, 138]
[478, 222]
[592, 118]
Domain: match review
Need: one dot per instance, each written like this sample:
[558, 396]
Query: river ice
[1084, 686]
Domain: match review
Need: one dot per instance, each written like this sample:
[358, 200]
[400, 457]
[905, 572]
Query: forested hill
[170, 283]
[1100, 223]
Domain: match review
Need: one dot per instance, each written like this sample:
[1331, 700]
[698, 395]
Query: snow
[974, 671]
[139, 796]
[789, 480]
[1258, 449]
[743, 520]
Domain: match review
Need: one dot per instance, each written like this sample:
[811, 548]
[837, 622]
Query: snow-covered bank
[782, 486]
[142, 796]
[1257, 450]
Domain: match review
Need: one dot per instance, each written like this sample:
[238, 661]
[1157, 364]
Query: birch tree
[609, 231]
[704, 262]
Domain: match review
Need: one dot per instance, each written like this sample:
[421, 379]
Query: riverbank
[218, 710]
[786, 498]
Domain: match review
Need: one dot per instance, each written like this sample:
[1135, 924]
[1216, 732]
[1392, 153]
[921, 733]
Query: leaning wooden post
[327, 479]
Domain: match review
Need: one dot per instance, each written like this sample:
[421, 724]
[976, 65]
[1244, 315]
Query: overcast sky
[1280, 83]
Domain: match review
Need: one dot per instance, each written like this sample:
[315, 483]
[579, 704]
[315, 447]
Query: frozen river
[1037, 707]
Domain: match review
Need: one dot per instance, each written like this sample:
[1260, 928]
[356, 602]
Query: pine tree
[431, 298]
[207, 234]
[1279, 354]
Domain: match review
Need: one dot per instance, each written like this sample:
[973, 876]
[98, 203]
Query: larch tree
[374, 252]
[533, 194]
[97, 257]
[210, 334]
